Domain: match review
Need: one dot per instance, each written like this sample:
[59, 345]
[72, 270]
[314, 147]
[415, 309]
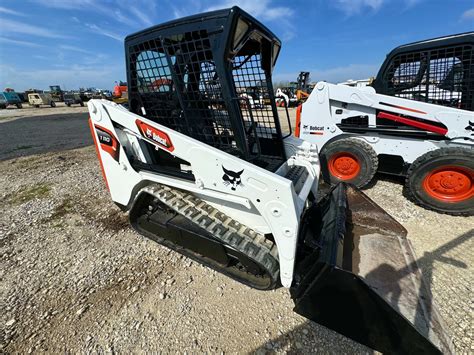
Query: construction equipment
[23, 97]
[303, 87]
[120, 93]
[358, 83]
[254, 96]
[286, 96]
[296, 93]
[56, 93]
[216, 180]
[72, 98]
[415, 121]
[10, 98]
[38, 99]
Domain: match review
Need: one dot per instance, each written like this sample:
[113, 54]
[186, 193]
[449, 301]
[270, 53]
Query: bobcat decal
[232, 178]
[470, 127]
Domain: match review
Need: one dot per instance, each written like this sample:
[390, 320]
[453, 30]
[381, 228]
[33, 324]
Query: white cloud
[75, 49]
[94, 59]
[117, 15]
[334, 75]
[468, 15]
[411, 3]
[141, 15]
[263, 10]
[11, 26]
[10, 12]
[20, 43]
[79, 5]
[89, 57]
[65, 5]
[354, 7]
[105, 32]
[102, 8]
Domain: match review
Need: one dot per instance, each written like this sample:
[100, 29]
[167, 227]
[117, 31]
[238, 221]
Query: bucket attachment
[356, 273]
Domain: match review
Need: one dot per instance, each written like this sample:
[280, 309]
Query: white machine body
[329, 104]
[264, 201]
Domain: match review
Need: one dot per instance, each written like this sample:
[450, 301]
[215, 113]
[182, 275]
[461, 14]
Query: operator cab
[194, 74]
[438, 71]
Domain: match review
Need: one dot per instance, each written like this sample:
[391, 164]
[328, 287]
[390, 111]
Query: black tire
[19, 105]
[82, 104]
[53, 104]
[37, 106]
[429, 185]
[359, 158]
[68, 105]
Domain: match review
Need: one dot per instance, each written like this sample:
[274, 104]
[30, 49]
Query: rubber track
[232, 233]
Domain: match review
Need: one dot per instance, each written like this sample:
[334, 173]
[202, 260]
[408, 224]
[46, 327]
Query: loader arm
[331, 104]
[392, 126]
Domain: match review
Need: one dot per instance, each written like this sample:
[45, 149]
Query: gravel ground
[76, 278]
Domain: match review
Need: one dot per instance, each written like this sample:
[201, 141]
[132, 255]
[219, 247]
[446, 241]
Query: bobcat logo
[232, 178]
[470, 127]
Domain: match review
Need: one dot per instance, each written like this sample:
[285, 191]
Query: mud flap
[356, 273]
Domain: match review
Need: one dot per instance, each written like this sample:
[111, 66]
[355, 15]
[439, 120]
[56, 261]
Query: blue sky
[77, 43]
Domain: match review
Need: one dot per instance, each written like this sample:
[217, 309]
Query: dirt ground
[74, 277]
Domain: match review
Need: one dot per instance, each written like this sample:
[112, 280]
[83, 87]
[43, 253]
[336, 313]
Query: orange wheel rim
[344, 166]
[450, 184]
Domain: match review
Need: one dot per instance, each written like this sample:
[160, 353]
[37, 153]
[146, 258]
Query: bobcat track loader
[416, 121]
[213, 178]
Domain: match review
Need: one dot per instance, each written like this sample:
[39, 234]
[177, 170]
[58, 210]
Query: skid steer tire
[53, 104]
[443, 180]
[348, 160]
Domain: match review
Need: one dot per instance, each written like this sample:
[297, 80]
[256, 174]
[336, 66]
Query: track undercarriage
[194, 228]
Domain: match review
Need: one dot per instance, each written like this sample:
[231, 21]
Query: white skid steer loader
[416, 120]
[204, 173]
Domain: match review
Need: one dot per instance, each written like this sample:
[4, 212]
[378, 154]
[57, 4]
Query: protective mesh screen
[179, 87]
[443, 76]
[251, 85]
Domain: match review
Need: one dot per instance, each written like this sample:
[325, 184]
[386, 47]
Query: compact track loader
[416, 121]
[205, 173]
